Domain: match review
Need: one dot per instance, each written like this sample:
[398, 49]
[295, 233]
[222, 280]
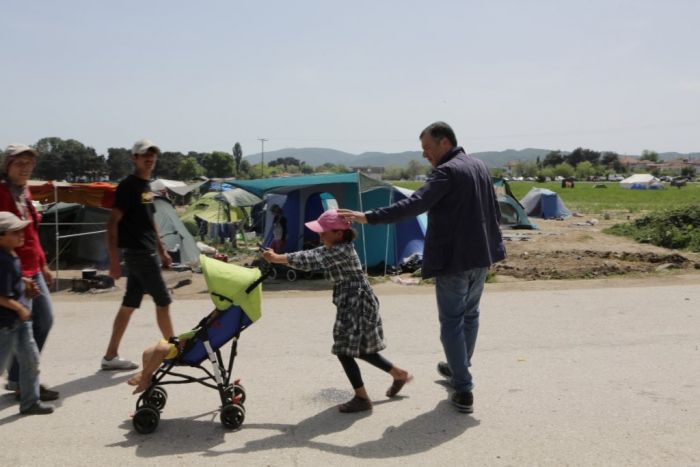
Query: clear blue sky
[355, 76]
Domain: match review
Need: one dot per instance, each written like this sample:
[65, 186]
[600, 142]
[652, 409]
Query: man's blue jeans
[458, 297]
[42, 317]
[18, 340]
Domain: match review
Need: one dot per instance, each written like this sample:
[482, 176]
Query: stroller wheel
[239, 390]
[146, 419]
[291, 275]
[232, 416]
[273, 273]
[234, 391]
[156, 397]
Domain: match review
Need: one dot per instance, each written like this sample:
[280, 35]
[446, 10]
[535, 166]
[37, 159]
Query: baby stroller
[236, 293]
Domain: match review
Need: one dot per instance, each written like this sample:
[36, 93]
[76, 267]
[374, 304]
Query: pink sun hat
[329, 220]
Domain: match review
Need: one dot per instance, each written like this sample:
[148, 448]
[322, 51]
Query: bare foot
[134, 380]
[142, 386]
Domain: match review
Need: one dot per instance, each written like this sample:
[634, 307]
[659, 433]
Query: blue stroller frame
[210, 334]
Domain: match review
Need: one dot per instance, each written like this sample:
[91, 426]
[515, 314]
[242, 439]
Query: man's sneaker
[37, 409]
[444, 370]
[118, 364]
[464, 401]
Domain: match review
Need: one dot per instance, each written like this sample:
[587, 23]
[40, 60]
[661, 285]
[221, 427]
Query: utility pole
[262, 155]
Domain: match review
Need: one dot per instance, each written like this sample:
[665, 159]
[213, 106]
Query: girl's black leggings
[353, 371]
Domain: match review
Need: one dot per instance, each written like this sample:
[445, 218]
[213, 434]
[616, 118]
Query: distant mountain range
[319, 156]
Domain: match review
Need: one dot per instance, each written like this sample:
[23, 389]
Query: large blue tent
[303, 198]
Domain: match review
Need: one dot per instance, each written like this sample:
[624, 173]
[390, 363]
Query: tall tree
[237, 156]
[118, 163]
[189, 169]
[168, 165]
[218, 164]
[651, 156]
[68, 160]
[553, 158]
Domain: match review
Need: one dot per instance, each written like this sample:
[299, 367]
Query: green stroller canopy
[230, 281]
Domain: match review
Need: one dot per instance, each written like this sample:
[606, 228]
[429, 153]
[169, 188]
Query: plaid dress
[358, 326]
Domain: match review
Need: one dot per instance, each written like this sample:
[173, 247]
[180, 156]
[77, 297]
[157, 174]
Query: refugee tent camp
[540, 202]
[641, 182]
[304, 198]
[83, 241]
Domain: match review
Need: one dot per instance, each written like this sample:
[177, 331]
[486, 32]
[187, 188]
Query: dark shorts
[144, 276]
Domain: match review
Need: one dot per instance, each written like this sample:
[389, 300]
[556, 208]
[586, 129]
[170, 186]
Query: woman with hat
[17, 167]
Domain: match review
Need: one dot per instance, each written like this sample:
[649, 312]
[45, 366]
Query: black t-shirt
[11, 286]
[135, 200]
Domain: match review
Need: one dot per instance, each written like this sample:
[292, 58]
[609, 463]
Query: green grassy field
[585, 198]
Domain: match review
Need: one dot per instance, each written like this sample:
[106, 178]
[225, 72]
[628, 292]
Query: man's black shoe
[444, 370]
[37, 409]
[464, 401]
[45, 394]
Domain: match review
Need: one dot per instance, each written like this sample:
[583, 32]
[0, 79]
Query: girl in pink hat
[357, 332]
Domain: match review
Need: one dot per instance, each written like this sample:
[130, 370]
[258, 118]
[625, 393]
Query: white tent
[641, 182]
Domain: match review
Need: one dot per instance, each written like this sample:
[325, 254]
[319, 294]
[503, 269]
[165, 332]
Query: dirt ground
[577, 248]
[561, 250]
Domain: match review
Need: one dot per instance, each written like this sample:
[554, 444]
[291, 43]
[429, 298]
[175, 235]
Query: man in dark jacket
[462, 241]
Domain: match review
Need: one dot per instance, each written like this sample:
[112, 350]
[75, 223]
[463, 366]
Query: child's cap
[9, 222]
[329, 220]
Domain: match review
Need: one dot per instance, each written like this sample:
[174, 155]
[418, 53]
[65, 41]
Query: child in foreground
[357, 332]
[16, 334]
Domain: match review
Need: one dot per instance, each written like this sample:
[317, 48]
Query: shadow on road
[203, 433]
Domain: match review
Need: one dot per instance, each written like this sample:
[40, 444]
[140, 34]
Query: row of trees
[71, 160]
[582, 164]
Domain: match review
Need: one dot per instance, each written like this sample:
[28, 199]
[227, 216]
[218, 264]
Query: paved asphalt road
[581, 376]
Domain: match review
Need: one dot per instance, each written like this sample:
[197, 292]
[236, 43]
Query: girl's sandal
[397, 385]
[356, 404]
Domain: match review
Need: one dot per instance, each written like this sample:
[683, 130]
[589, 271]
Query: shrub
[677, 228]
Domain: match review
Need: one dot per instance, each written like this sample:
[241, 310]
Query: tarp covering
[284, 184]
[86, 249]
[173, 232]
[174, 186]
[231, 281]
[98, 194]
[239, 197]
[91, 248]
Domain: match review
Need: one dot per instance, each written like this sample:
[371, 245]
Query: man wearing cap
[462, 241]
[131, 228]
[15, 197]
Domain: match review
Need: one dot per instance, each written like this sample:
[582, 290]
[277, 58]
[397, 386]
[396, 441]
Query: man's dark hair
[439, 130]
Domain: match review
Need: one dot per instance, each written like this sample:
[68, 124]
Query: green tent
[513, 214]
[212, 208]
